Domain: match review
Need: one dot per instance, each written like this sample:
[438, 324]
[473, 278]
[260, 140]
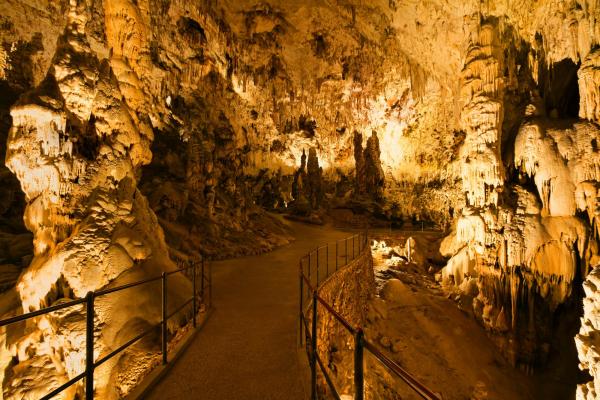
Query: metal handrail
[102, 292]
[327, 377]
[359, 340]
[337, 316]
[64, 386]
[410, 380]
[89, 300]
[124, 346]
[23, 317]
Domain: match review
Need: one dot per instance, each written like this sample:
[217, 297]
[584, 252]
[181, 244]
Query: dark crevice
[561, 90]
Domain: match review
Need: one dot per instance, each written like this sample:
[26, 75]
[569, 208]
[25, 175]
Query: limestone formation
[307, 187]
[369, 176]
[314, 185]
[374, 177]
[587, 339]
[360, 184]
[76, 149]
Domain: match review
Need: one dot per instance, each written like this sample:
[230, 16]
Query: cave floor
[433, 335]
[248, 347]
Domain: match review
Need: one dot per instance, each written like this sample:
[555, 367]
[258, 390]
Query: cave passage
[248, 347]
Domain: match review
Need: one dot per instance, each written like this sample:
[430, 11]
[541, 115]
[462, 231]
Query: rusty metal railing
[359, 243]
[204, 295]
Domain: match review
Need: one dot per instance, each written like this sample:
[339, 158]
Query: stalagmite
[74, 127]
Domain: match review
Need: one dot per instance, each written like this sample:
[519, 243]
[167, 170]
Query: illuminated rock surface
[143, 132]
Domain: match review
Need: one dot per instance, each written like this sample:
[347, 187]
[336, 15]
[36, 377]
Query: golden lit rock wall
[348, 291]
[77, 146]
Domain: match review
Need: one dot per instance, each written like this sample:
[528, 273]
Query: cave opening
[561, 90]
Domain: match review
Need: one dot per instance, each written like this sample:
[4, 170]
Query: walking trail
[248, 347]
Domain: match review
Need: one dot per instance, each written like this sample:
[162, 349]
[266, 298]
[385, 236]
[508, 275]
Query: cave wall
[348, 291]
[76, 145]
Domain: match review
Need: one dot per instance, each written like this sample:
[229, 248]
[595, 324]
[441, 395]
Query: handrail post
[89, 346]
[353, 255]
[346, 249]
[194, 306]
[337, 242]
[313, 360]
[210, 285]
[164, 318]
[202, 285]
[359, 378]
[301, 301]
[327, 260]
[317, 267]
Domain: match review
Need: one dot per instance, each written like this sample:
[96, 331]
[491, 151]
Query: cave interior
[458, 141]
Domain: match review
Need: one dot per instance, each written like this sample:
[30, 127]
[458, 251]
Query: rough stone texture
[482, 86]
[77, 147]
[348, 292]
[307, 187]
[587, 339]
[369, 176]
[527, 250]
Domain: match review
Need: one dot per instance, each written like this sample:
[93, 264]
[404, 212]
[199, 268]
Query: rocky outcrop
[369, 176]
[482, 90]
[307, 187]
[519, 235]
[77, 147]
[528, 251]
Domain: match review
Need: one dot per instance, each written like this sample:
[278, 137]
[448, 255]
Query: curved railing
[359, 244]
[198, 269]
